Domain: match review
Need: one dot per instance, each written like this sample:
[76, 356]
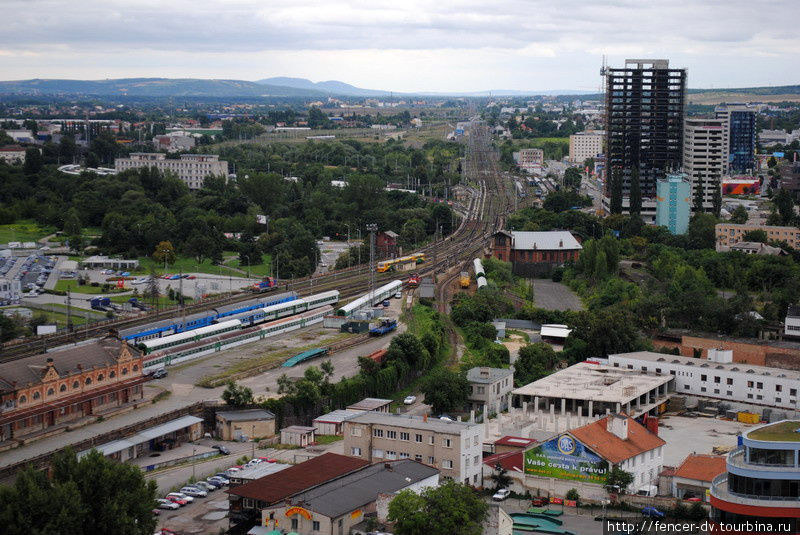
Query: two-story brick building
[455, 448]
[45, 391]
[535, 253]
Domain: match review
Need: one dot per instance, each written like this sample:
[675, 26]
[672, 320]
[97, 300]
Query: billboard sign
[564, 457]
[46, 329]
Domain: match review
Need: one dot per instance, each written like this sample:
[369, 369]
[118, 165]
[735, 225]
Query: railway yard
[208, 343]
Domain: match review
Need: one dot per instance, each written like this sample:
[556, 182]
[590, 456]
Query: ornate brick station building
[41, 392]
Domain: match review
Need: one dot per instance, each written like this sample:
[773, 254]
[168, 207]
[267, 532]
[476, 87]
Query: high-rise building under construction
[645, 108]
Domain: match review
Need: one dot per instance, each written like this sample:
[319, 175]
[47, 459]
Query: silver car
[194, 491]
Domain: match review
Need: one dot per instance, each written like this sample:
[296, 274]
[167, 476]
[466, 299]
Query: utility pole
[372, 228]
[69, 325]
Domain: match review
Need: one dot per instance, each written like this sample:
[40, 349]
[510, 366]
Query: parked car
[222, 480]
[180, 501]
[214, 482]
[387, 303]
[194, 491]
[446, 418]
[501, 495]
[652, 512]
[163, 503]
[159, 373]
[410, 400]
[233, 470]
[222, 449]
[398, 294]
[181, 496]
[203, 485]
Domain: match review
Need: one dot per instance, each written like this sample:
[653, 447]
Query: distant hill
[332, 87]
[154, 87]
[303, 88]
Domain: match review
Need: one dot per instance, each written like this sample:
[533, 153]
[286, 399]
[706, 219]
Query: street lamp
[253, 439]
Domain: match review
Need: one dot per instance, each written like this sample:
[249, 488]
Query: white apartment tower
[705, 156]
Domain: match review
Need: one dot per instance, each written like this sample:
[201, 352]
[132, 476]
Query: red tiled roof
[517, 442]
[610, 446]
[510, 460]
[667, 471]
[701, 467]
[280, 485]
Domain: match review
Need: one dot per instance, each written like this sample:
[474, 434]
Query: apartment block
[728, 234]
[455, 448]
[645, 108]
[585, 145]
[674, 203]
[530, 160]
[192, 169]
[705, 156]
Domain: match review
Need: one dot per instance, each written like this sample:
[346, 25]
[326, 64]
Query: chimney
[617, 424]
[560, 244]
[50, 362]
[388, 466]
[425, 417]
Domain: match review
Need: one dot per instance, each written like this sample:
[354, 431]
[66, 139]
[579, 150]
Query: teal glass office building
[674, 203]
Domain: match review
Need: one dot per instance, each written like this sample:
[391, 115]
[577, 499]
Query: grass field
[263, 269]
[72, 285]
[23, 230]
[56, 317]
[186, 265]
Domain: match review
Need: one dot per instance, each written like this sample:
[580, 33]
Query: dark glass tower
[645, 106]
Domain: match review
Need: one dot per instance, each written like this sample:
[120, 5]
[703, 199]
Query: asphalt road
[554, 296]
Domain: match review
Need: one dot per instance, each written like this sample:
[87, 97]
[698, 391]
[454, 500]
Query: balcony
[719, 489]
[736, 458]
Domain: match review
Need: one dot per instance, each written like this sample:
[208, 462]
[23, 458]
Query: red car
[540, 501]
[177, 500]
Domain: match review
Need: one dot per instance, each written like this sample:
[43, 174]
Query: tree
[533, 363]
[237, 395]
[701, 231]
[72, 223]
[739, 215]
[572, 494]
[90, 495]
[572, 178]
[636, 192]
[164, 252]
[33, 161]
[445, 390]
[756, 235]
[449, 509]
[615, 190]
[618, 479]
[697, 202]
[785, 206]
[500, 477]
[716, 199]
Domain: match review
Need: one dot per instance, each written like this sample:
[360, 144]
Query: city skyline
[421, 47]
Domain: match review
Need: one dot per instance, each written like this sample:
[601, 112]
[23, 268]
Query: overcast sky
[402, 45]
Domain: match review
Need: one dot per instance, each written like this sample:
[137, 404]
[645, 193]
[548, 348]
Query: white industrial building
[717, 377]
[192, 169]
[791, 326]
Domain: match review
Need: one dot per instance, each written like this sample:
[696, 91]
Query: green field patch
[24, 230]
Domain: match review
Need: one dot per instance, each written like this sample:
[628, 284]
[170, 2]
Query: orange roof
[701, 467]
[612, 448]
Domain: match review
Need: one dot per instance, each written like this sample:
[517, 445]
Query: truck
[100, 303]
[269, 283]
[135, 303]
[386, 326]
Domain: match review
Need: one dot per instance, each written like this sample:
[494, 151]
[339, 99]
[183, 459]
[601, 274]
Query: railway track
[485, 214]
